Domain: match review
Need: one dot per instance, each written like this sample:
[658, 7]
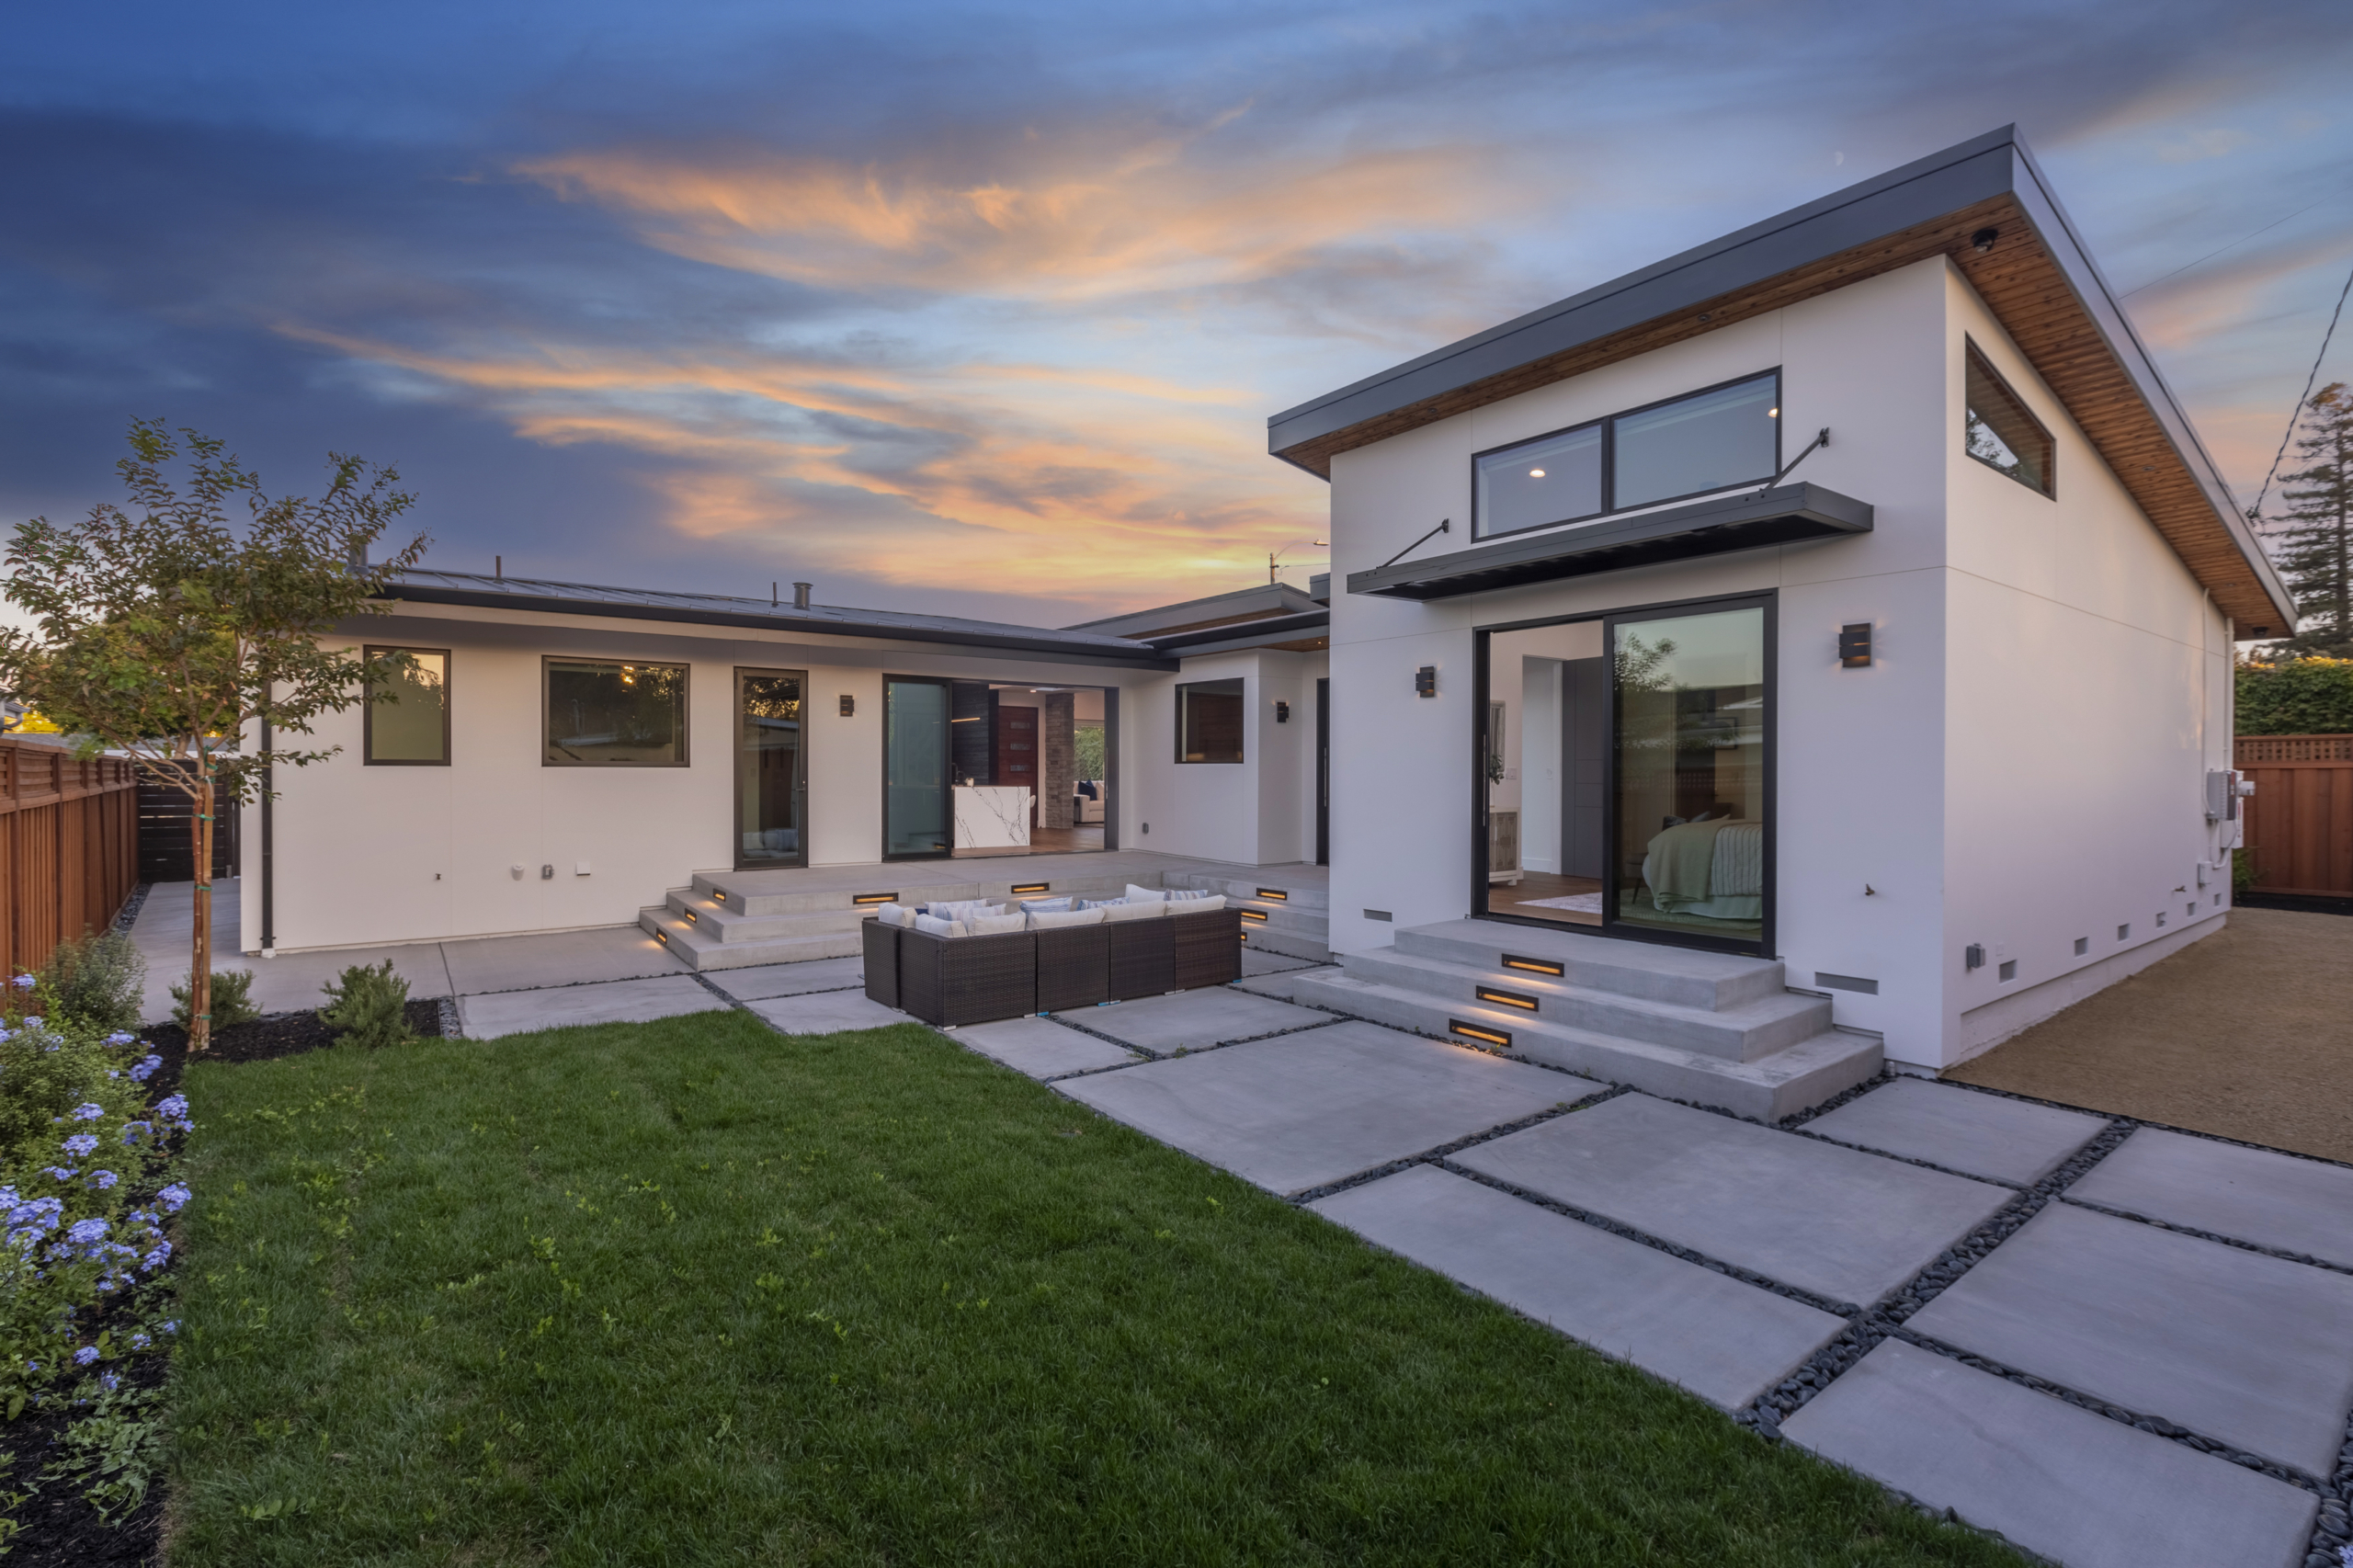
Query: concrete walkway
[2112, 1344]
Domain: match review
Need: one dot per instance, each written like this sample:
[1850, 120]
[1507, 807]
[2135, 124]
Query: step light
[874, 898]
[1277, 895]
[1484, 1036]
[1506, 998]
[692, 918]
[1534, 966]
[1023, 888]
[1256, 915]
[663, 938]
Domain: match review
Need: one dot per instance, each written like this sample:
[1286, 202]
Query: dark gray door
[1585, 764]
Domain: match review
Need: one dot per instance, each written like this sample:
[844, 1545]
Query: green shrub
[2243, 878]
[233, 1002]
[100, 981]
[2295, 696]
[368, 1006]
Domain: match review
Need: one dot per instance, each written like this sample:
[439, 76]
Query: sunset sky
[982, 309]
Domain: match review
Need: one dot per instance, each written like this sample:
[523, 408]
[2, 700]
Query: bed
[1714, 868]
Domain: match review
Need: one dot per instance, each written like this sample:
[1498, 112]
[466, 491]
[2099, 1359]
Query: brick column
[1057, 757]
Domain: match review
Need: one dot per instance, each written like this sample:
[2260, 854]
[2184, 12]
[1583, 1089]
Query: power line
[2212, 254]
[2255, 511]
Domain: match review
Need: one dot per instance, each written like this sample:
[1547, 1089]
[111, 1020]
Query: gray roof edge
[1060, 646]
[2100, 302]
[1956, 158]
[1245, 633]
[1277, 593]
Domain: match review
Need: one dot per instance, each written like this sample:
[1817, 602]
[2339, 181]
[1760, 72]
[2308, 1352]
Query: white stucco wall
[370, 855]
[1258, 812]
[2028, 747]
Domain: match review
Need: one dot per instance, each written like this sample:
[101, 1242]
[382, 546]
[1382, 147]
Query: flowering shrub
[85, 1194]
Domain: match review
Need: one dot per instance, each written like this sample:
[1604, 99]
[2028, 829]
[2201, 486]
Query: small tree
[2314, 537]
[167, 633]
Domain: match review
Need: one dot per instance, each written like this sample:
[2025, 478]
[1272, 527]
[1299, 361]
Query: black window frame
[368, 758]
[1975, 357]
[686, 708]
[1242, 727]
[1608, 422]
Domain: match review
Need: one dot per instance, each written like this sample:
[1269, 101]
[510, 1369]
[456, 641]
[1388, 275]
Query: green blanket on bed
[1680, 858]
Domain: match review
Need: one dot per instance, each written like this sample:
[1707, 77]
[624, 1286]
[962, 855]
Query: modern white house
[1811, 651]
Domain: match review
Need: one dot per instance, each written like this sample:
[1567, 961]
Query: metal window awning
[1782, 515]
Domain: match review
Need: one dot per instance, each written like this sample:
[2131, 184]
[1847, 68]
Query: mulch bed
[58, 1529]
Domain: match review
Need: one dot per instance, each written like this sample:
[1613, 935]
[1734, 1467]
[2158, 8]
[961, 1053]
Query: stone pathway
[2116, 1345]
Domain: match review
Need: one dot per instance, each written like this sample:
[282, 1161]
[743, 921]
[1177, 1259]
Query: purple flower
[26, 983]
[83, 1357]
[109, 1382]
[131, 1129]
[80, 1144]
[172, 1197]
[146, 1068]
[60, 1173]
[171, 1104]
[103, 1179]
[172, 1327]
[84, 1232]
[140, 1341]
[156, 1259]
[88, 1112]
[118, 1038]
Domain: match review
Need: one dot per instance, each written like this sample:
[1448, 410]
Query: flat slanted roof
[721, 609]
[2034, 275]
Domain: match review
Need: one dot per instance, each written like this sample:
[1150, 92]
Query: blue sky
[982, 309]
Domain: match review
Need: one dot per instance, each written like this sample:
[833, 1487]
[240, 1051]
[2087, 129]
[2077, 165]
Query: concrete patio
[2111, 1343]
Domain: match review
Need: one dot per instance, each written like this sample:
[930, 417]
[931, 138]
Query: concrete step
[698, 949]
[1253, 890]
[1293, 944]
[1682, 977]
[746, 893]
[1769, 1088]
[1743, 1033]
[1280, 917]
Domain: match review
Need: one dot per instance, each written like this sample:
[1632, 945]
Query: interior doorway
[771, 769]
[973, 769]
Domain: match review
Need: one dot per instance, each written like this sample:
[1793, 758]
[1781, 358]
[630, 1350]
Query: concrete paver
[1977, 1134]
[828, 1012]
[1306, 1109]
[1192, 1020]
[292, 981]
[1845, 1224]
[1262, 960]
[2075, 1487]
[768, 979]
[481, 964]
[1722, 1340]
[610, 1001]
[1281, 985]
[1040, 1047]
[2232, 1344]
[2251, 1195]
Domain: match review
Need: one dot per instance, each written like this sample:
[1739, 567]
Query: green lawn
[691, 1292]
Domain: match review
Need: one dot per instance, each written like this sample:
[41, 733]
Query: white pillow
[994, 925]
[932, 925]
[1144, 895]
[897, 915]
[1201, 905]
[1049, 919]
[1189, 895]
[1056, 905]
[963, 911]
[1115, 913]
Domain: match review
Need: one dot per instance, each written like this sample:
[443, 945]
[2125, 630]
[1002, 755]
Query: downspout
[268, 845]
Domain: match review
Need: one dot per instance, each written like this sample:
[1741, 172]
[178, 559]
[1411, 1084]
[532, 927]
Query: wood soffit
[2021, 284]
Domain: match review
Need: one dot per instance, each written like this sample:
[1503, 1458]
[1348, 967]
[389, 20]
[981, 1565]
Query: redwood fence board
[2299, 822]
[69, 846]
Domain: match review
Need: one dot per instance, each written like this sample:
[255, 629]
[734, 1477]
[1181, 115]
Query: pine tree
[2313, 542]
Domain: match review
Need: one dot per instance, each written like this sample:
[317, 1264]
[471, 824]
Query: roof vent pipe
[801, 594]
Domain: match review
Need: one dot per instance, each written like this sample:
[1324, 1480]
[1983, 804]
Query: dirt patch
[2248, 1034]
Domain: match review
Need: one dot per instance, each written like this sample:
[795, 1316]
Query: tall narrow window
[2001, 433]
[1209, 721]
[407, 720]
[610, 715]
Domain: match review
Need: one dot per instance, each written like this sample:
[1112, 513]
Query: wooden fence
[2299, 819]
[69, 846]
[166, 850]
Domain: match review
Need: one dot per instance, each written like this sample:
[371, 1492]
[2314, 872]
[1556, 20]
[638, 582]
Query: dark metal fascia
[1243, 634]
[1143, 658]
[1920, 192]
[1752, 521]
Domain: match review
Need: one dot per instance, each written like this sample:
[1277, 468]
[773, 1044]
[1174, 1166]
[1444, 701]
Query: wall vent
[1847, 983]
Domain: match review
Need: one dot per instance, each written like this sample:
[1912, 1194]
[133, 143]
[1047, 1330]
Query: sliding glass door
[1624, 774]
[771, 769]
[918, 814]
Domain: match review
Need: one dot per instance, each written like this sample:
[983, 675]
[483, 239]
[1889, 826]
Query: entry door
[771, 768]
[919, 820]
[1016, 751]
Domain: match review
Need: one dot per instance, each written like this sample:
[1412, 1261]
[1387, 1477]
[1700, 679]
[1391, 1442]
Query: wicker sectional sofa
[972, 980]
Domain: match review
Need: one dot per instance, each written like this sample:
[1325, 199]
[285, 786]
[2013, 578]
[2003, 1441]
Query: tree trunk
[199, 972]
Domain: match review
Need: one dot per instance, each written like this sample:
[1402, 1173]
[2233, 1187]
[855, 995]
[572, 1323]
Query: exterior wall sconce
[1972, 956]
[1855, 646]
[1425, 681]
[849, 705]
[1282, 712]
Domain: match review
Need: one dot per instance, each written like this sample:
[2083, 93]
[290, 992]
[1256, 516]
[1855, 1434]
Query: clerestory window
[2001, 434]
